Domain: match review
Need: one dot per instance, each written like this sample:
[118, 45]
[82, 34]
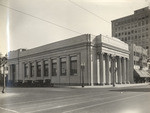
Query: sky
[32, 23]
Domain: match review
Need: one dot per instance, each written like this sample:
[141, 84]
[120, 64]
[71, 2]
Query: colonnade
[112, 69]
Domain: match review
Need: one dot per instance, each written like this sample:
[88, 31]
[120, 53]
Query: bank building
[81, 60]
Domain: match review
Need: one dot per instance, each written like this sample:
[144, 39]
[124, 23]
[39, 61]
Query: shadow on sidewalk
[133, 90]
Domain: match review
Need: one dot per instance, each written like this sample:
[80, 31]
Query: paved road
[76, 100]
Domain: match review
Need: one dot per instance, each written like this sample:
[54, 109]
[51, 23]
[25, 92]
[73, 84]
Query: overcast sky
[26, 31]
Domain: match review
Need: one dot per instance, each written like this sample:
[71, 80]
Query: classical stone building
[134, 28]
[85, 59]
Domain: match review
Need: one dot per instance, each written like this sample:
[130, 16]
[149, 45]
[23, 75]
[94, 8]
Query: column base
[123, 82]
[96, 83]
[119, 83]
[102, 84]
[128, 82]
[107, 84]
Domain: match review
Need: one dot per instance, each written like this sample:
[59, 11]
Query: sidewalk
[109, 86]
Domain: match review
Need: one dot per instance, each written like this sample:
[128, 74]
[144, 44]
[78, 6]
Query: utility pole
[3, 90]
[3, 63]
[0, 62]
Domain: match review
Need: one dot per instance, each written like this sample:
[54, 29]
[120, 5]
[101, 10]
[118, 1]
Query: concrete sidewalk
[108, 86]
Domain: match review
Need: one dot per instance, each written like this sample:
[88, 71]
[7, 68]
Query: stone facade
[105, 61]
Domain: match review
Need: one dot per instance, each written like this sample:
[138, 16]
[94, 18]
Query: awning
[142, 73]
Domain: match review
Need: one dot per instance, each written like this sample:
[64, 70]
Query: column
[23, 66]
[58, 70]
[50, 68]
[123, 70]
[42, 69]
[29, 70]
[119, 70]
[68, 68]
[94, 75]
[9, 72]
[101, 69]
[111, 70]
[127, 71]
[107, 69]
[98, 70]
[113, 73]
[35, 70]
[79, 68]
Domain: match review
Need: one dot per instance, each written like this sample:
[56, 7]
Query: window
[146, 21]
[125, 38]
[116, 35]
[143, 22]
[139, 36]
[143, 35]
[143, 29]
[54, 68]
[38, 69]
[73, 66]
[63, 67]
[32, 70]
[132, 31]
[128, 37]
[125, 33]
[26, 71]
[139, 24]
[46, 68]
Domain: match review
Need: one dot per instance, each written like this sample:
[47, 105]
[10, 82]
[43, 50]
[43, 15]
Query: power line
[40, 19]
[89, 11]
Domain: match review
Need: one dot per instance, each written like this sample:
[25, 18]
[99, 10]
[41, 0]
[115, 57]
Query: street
[76, 100]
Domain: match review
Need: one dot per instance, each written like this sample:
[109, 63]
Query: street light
[82, 69]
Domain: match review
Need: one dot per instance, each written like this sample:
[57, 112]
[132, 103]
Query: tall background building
[134, 28]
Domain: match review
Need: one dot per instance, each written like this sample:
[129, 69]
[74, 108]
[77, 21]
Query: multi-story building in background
[134, 28]
[138, 64]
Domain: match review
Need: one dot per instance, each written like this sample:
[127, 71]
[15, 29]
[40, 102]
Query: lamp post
[82, 69]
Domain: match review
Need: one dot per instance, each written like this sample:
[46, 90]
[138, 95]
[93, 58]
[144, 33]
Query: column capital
[100, 53]
[113, 55]
[119, 57]
[123, 58]
[108, 54]
[127, 58]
